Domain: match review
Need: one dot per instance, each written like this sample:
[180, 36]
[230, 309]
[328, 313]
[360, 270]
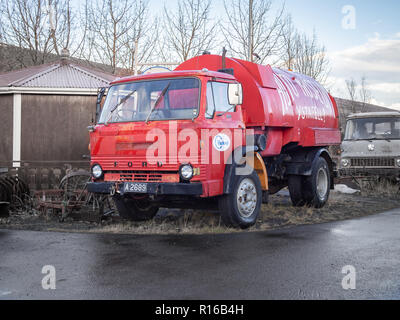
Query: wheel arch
[301, 163]
[258, 165]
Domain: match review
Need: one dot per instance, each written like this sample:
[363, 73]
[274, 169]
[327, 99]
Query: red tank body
[294, 107]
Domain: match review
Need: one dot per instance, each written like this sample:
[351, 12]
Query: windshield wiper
[123, 100]
[162, 94]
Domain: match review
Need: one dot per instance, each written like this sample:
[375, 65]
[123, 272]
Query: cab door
[224, 131]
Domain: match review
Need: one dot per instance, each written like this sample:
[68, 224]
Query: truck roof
[175, 74]
[374, 115]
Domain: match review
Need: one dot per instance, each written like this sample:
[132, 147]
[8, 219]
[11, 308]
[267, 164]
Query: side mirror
[235, 94]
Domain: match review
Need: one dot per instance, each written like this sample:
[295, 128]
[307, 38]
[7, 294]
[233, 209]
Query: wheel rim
[322, 183]
[246, 198]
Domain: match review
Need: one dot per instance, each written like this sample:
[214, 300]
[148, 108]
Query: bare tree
[351, 86]
[365, 93]
[115, 30]
[141, 42]
[2, 47]
[252, 29]
[188, 30]
[310, 58]
[42, 27]
[82, 24]
[303, 54]
[61, 23]
[2, 23]
[289, 43]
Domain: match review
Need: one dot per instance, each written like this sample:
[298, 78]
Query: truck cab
[371, 145]
[168, 137]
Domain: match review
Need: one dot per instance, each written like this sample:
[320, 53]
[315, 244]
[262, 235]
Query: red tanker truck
[217, 133]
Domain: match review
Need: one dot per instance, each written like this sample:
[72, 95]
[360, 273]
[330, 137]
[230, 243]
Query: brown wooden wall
[6, 127]
[54, 128]
[46, 176]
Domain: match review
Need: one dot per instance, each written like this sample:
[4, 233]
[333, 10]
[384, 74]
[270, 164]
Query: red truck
[216, 133]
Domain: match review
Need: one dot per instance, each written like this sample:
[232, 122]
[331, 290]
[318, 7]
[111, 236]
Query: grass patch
[278, 213]
[379, 187]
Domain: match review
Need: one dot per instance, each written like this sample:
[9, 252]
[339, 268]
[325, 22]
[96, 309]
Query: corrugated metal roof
[7, 78]
[56, 75]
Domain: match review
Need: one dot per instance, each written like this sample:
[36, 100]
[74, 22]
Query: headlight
[345, 162]
[97, 172]
[398, 162]
[186, 172]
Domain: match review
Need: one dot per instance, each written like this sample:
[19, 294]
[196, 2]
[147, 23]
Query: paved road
[296, 263]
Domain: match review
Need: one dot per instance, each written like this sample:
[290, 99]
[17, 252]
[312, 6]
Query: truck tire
[135, 210]
[295, 184]
[316, 187]
[241, 208]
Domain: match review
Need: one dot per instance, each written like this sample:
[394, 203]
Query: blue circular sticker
[221, 142]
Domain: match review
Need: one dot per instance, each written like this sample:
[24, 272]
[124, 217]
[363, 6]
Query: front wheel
[135, 209]
[241, 208]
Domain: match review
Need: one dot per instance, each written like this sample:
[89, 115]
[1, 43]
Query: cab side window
[217, 98]
[220, 90]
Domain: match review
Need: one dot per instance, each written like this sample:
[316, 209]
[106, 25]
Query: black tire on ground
[295, 184]
[265, 197]
[135, 210]
[241, 208]
[316, 187]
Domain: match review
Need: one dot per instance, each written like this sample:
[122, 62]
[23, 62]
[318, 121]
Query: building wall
[6, 127]
[346, 107]
[54, 128]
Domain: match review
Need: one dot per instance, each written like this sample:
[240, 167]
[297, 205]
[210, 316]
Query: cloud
[386, 87]
[378, 60]
[380, 57]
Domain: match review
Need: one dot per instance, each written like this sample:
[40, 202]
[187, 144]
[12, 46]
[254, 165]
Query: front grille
[372, 162]
[141, 176]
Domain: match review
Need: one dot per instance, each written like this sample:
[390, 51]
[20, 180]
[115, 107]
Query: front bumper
[189, 189]
[366, 172]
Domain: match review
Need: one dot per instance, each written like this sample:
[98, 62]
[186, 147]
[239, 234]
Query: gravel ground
[277, 214]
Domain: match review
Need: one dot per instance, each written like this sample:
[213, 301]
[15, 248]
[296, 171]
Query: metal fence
[43, 175]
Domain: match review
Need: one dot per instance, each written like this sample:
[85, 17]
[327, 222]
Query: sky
[362, 38]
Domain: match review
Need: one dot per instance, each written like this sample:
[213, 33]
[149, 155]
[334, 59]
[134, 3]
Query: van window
[373, 128]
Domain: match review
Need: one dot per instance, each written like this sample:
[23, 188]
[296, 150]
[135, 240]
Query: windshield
[373, 129]
[136, 101]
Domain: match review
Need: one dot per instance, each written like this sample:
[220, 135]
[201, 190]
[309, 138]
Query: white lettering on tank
[314, 91]
[290, 86]
[283, 96]
[319, 104]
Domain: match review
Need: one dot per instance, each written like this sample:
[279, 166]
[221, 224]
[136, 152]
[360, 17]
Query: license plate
[134, 187]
